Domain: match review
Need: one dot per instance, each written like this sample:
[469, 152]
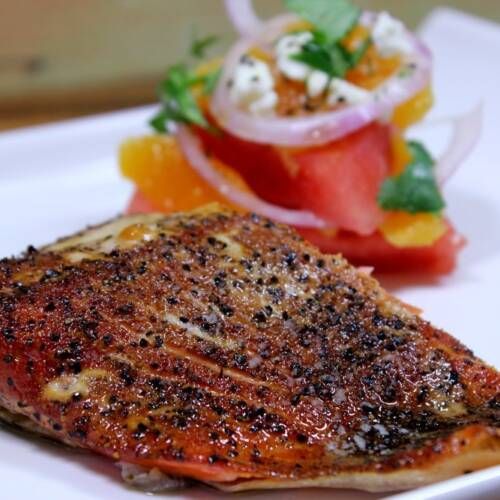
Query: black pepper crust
[226, 348]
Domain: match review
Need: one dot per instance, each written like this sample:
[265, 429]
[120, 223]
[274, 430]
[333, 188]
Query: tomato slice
[262, 166]
[339, 181]
[437, 259]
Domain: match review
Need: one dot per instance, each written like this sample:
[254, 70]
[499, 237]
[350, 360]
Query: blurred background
[67, 58]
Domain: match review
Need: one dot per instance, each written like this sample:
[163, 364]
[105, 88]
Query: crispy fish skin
[222, 347]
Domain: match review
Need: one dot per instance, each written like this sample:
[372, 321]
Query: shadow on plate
[42, 446]
[479, 221]
[202, 493]
[105, 469]
[395, 282]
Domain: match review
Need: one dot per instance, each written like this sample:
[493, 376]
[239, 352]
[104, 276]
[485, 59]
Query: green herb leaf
[334, 18]
[357, 55]
[416, 189]
[340, 61]
[179, 104]
[316, 57]
[420, 154]
[199, 46]
[159, 122]
[210, 81]
[333, 59]
[318, 54]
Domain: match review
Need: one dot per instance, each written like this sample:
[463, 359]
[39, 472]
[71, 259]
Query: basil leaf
[416, 189]
[199, 46]
[334, 18]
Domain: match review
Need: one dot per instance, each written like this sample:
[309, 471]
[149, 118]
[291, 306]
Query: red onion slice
[466, 132]
[243, 17]
[192, 149]
[324, 127]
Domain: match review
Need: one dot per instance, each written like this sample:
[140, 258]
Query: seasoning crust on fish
[222, 347]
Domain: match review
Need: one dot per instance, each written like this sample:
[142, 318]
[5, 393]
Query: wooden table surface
[61, 59]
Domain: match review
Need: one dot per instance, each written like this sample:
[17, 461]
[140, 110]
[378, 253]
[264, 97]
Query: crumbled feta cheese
[294, 70]
[252, 86]
[317, 82]
[264, 105]
[343, 92]
[288, 46]
[292, 44]
[389, 36]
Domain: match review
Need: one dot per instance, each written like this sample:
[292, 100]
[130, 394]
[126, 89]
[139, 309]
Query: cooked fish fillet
[223, 348]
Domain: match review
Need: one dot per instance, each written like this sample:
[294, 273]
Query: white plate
[57, 179]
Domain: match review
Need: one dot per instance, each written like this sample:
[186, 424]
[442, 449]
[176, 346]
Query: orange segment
[162, 174]
[357, 36]
[373, 69]
[301, 25]
[205, 69]
[405, 230]
[261, 54]
[400, 153]
[208, 67]
[415, 109]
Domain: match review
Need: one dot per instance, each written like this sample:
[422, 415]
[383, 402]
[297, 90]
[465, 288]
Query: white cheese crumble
[252, 86]
[317, 83]
[265, 104]
[294, 70]
[343, 92]
[290, 45]
[390, 37]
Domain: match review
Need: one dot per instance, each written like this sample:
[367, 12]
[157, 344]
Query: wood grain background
[64, 58]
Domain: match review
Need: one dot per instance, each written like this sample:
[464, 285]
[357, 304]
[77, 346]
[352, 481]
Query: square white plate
[57, 179]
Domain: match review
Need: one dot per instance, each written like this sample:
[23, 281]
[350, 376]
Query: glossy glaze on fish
[221, 347]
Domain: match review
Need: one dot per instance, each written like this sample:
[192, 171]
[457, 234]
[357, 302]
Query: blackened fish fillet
[221, 347]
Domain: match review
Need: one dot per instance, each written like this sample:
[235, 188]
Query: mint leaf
[416, 189]
[199, 46]
[334, 18]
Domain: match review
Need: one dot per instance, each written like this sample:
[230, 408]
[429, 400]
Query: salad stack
[305, 121]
